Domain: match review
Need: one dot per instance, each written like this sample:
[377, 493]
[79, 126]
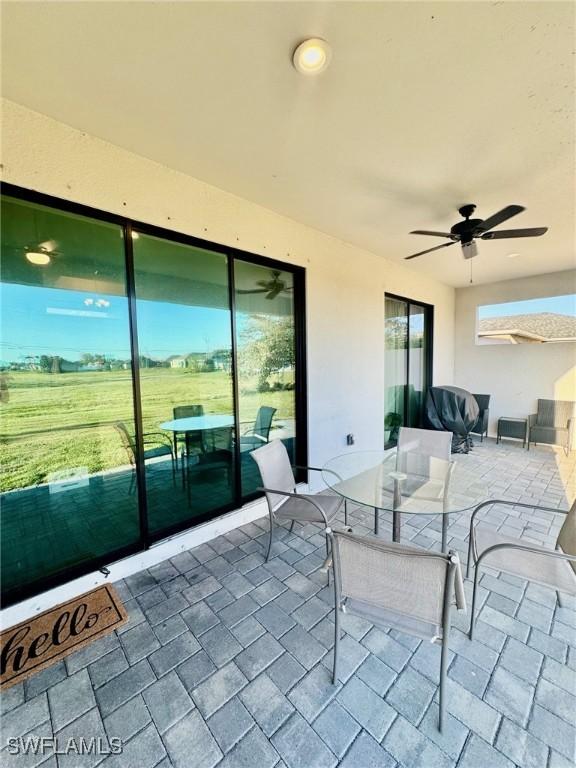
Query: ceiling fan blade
[503, 233]
[256, 290]
[503, 215]
[433, 234]
[274, 292]
[420, 253]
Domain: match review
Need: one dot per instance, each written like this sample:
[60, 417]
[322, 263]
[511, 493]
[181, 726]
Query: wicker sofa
[553, 423]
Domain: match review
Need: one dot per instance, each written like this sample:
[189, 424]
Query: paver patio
[225, 659]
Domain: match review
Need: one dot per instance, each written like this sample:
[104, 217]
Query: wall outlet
[350, 439]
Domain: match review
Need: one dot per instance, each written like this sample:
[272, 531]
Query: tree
[267, 347]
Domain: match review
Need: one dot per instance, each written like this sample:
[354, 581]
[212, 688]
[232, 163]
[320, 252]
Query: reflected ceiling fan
[41, 254]
[272, 287]
[466, 232]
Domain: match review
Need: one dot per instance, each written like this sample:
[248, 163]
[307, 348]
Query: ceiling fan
[271, 287]
[467, 231]
[41, 253]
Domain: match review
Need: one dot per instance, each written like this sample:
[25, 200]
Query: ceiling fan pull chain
[471, 262]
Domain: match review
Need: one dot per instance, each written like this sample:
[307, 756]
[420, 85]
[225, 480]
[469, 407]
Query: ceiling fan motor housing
[467, 229]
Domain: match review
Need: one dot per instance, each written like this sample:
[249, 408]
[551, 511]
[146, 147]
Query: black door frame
[232, 254]
[428, 346]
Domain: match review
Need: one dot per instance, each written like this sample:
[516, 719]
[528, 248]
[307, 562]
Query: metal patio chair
[259, 434]
[414, 447]
[552, 568]
[161, 441]
[192, 440]
[217, 458]
[393, 585]
[279, 485]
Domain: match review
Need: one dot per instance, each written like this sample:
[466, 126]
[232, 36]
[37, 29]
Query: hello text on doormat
[43, 640]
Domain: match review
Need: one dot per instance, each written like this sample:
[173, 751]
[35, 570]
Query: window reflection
[65, 380]
[185, 359]
[266, 362]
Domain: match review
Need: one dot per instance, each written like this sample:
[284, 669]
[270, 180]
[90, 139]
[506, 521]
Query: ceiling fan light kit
[39, 258]
[466, 232]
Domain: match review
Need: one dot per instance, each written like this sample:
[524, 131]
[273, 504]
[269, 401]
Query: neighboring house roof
[538, 327]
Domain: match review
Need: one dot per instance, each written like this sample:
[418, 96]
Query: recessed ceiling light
[38, 257]
[312, 56]
[512, 255]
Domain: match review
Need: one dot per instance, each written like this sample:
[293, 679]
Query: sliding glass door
[408, 363]
[139, 369]
[185, 370]
[266, 355]
[66, 385]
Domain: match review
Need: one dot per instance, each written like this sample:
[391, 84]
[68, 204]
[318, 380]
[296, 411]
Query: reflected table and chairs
[406, 483]
[197, 425]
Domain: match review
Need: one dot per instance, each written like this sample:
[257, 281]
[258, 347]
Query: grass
[52, 422]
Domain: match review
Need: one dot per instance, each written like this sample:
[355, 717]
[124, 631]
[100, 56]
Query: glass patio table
[194, 424]
[406, 482]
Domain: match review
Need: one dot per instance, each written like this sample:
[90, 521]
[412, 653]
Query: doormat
[43, 640]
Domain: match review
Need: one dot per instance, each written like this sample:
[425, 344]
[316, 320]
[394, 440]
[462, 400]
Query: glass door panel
[184, 333]
[67, 483]
[407, 364]
[266, 354]
[396, 368]
[416, 365]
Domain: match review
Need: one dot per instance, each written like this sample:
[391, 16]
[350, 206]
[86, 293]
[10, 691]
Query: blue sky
[52, 321]
[563, 305]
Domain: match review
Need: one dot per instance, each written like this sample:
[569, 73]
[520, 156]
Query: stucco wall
[345, 285]
[516, 375]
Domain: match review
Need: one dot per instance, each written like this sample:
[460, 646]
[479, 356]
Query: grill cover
[455, 410]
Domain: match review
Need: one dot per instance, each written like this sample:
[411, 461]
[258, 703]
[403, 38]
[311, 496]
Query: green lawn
[52, 422]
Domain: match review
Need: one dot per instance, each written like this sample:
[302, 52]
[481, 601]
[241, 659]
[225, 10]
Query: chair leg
[336, 643]
[292, 526]
[443, 666]
[327, 556]
[270, 538]
[469, 558]
[473, 610]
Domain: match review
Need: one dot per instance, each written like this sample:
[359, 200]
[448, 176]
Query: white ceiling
[425, 106]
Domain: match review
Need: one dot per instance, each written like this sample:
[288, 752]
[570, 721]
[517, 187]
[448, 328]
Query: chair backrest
[567, 536]
[127, 441]
[483, 402]
[187, 411]
[275, 470]
[220, 439]
[405, 580]
[555, 413]
[264, 421]
[425, 442]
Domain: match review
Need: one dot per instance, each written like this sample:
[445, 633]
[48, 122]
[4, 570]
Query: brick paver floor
[225, 660]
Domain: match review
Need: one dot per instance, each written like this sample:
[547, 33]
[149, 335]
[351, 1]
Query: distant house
[537, 328]
[178, 362]
[222, 360]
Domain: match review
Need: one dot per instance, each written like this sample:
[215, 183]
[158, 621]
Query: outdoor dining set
[399, 586]
[387, 583]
